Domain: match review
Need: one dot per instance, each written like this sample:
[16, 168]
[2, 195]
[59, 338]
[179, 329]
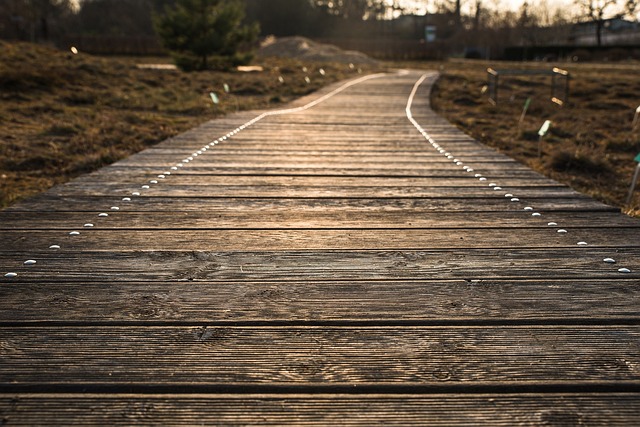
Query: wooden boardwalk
[356, 262]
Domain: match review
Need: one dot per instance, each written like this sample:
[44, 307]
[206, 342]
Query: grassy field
[590, 145]
[62, 115]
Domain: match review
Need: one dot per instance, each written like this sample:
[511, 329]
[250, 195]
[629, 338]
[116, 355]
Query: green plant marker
[637, 159]
[226, 88]
[214, 98]
[527, 103]
[542, 132]
[545, 128]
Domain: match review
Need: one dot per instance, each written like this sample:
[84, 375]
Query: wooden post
[634, 180]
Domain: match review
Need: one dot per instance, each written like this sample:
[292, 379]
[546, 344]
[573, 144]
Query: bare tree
[599, 10]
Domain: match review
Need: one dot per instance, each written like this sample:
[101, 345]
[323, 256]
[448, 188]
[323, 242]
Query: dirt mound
[305, 49]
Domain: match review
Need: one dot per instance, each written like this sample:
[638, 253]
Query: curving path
[351, 260]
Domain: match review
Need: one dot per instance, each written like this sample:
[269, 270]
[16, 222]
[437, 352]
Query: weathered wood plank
[489, 203]
[283, 266]
[96, 239]
[559, 409]
[192, 356]
[547, 301]
[390, 191]
[179, 180]
[334, 218]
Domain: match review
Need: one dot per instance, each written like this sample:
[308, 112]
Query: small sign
[545, 128]
[214, 98]
[637, 159]
[527, 103]
[430, 33]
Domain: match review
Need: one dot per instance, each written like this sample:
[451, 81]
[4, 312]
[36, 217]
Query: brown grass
[591, 144]
[62, 115]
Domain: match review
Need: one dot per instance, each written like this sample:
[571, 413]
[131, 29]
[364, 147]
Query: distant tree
[354, 10]
[34, 20]
[285, 17]
[599, 10]
[205, 34]
[116, 17]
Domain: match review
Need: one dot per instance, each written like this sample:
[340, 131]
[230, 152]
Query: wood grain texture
[324, 266]
[455, 302]
[326, 355]
[566, 409]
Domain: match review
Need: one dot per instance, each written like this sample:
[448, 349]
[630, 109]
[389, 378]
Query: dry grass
[591, 144]
[62, 115]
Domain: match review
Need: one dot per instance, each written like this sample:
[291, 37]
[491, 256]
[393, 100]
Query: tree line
[48, 20]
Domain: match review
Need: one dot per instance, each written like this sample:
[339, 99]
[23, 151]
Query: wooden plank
[561, 409]
[549, 301]
[185, 357]
[330, 218]
[235, 181]
[48, 202]
[130, 264]
[126, 171]
[96, 239]
[390, 191]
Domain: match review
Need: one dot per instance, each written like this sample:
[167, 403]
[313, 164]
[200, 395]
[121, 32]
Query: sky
[502, 4]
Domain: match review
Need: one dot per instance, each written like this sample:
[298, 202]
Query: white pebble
[624, 270]
[536, 214]
[88, 225]
[528, 208]
[30, 262]
[115, 208]
[54, 247]
[552, 224]
[74, 233]
[450, 157]
[459, 163]
[174, 168]
[609, 260]
[153, 181]
[11, 275]
[126, 199]
[515, 199]
[478, 175]
[493, 184]
[483, 179]
[497, 188]
[562, 231]
[508, 195]
[161, 176]
[190, 158]
[103, 215]
[135, 193]
[145, 187]
[582, 243]
[469, 170]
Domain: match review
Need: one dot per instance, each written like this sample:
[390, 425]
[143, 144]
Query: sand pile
[308, 50]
